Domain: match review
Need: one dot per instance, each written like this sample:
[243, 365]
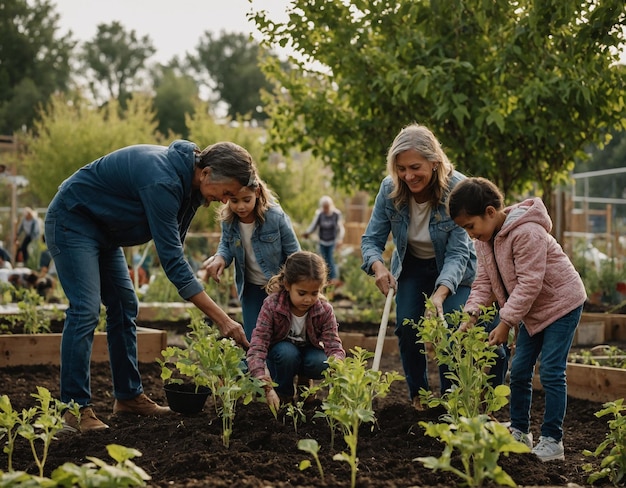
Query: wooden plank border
[30, 349]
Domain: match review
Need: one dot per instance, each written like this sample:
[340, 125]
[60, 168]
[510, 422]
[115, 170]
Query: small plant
[352, 387]
[468, 357]
[479, 441]
[312, 447]
[216, 362]
[32, 317]
[93, 474]
[612, 356]
[9, 419]
[296, 412]
[98, 473]
[613, 465]
[42, 424]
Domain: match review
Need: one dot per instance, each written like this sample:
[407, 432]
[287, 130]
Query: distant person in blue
[127, 198]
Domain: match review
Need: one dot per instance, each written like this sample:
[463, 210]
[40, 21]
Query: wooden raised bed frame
[31, 349]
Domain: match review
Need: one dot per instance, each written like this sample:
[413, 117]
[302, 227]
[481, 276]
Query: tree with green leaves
[114, 61]
[34, 60]
[514, 89]
[70, 135]
[176, 95]
[232, 62]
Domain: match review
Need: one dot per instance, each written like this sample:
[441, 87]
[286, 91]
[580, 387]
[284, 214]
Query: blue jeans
[285, 360]
[416, 280]
[91, 270]
[251, 303]
[553, 344]
[327, 252]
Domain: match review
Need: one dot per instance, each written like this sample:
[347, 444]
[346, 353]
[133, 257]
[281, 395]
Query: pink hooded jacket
[537, 282]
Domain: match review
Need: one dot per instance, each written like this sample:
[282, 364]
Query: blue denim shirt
[454, 250]
[139, 193]
[273, 241]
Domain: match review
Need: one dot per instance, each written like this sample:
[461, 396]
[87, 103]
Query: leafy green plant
[613, 465]
[98, 473]
[479, 442]
[468, 357]
[42, 424]
[216, 362]
[612, 356]
[312, 447]
[296, 412]
[352, 387]
[9, 420]
[32, 317]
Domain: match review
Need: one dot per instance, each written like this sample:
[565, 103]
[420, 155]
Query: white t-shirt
[420, 243]
[254, 274]
[297, 334]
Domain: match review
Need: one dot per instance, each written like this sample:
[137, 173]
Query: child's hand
[499, 335]
[272, 399]
[214, 267]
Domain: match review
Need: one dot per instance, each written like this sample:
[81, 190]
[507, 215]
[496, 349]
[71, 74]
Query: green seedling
[41, 424]
[352, 387]
[216, 362]
[9, 420]
[98, 473]
[479, 442]
[613, 464]
[296, 412]
[468, 357]
[312, 447]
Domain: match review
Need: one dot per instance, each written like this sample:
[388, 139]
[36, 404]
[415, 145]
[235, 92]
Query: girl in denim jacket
[432, 256]
[540, 293]
[257, 234]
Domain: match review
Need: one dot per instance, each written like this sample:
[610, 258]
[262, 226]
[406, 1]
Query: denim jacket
[139, 193]
[454, 250]
[273, 241]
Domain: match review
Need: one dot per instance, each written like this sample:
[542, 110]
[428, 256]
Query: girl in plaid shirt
[297, 329]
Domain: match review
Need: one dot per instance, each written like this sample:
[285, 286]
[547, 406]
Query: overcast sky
[175, 27]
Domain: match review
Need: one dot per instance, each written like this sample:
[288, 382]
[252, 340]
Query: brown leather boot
[88, 421]
[140, 405]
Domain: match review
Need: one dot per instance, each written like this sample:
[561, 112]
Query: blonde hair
[299, 266]
[420, 138]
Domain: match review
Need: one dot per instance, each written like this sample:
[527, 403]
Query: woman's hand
[384, 279]
[272, 399]
[214, 267]
[437, 298]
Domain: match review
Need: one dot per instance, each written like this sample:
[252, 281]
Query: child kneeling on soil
[540, 295]
[296, 331]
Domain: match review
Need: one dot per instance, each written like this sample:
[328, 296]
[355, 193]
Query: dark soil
[187, 451]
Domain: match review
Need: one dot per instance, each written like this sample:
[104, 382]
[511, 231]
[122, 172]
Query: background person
[257, 234]
[127, 198]
[297, 329]
[29, 230]
[328, 221]
[540, 294]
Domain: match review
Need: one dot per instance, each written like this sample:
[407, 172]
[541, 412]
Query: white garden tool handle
[382, 331]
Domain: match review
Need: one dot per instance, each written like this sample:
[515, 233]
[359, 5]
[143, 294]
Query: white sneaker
[549, 449]
[519, 436]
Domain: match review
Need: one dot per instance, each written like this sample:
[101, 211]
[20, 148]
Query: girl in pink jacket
[540, 295]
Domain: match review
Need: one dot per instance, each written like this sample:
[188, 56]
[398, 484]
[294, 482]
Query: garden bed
[185, 452]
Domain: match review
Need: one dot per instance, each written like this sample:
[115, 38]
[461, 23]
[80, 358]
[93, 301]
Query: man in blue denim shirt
[126, 198]
[433, 257]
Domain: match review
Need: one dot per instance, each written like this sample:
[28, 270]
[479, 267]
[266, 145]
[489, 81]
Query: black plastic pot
[183, 398]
